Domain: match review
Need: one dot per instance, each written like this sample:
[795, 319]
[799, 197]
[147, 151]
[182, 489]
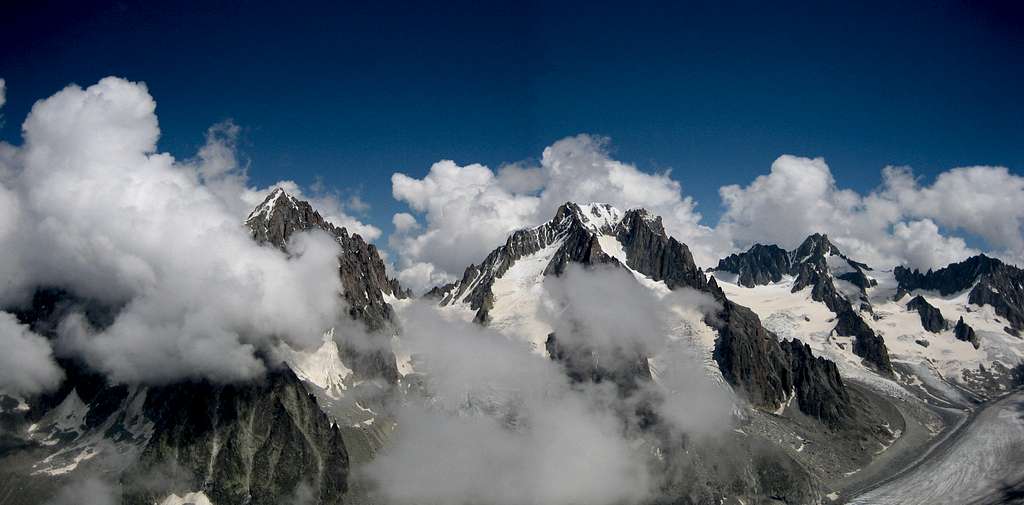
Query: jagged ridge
[991, 282]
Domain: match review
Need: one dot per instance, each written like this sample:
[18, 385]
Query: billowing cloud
[467, 211]
[470, 210]
[981, 200]
[89, 205]
[26, 363]
[512, 428]
[507, 425]
[895, 224]
[3, 92]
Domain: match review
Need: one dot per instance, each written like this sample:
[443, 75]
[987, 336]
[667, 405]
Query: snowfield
[944, 360]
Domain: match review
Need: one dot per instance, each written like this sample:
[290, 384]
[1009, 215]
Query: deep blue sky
[353, 93]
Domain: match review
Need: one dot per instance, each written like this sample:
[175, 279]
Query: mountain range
[831, 370]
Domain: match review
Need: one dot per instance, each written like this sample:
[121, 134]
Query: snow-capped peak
[266, 209]
[596, 217]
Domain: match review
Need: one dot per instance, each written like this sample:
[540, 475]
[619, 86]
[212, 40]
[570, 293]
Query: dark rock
[759, 265]
[866, 343]
[820, 391]
[991, 282]
[579, 246]
[250, 443]
[750, 357]
[931, 317]
[650, 251]
[964, 332]
[922, 343]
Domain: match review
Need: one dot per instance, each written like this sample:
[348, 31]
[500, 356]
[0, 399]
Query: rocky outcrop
[251, 443]
[813, 268]
[866, 343]
[964, 332]
[820, 392]
[931, 317]
[990, 281]
[750, 357]
[759, 265]
[650, 251]
[363, 275]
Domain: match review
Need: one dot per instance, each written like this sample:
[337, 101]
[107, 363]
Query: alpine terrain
[779, 376]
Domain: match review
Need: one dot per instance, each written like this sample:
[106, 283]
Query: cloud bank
[460, 213]
[88, 204]
[510, 426]
[506, 424]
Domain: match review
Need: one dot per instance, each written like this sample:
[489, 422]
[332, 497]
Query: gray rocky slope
[265, 441]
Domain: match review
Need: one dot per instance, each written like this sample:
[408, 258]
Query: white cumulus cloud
[898, 223]
[89, 205]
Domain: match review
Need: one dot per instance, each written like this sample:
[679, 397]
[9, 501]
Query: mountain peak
[816, 245]
[266, 208]
[598, 217]
[280, 215]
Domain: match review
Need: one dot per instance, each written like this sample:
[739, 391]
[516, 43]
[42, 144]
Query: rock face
[818, 264]
[586, 364]
[990, 281]
[820, 392]
[363, 275]
[931, 317]
[264, 441]
[251, 443]
[750, 357]
[963, 331]
[760, 265]
[866, 343]
[650, 251]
